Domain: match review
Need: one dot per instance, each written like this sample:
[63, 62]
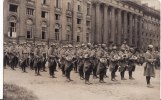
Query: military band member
[31, 56]
[5, 55]
[14, 53]
[62, 59]
[123, 62]
[69, 62]
[102, 65]
[24, 57]
[149, 70]
[131, 63]
[114, 62]
[52, 57]
[81, 61]
[87, 63]
[44, 57]
[37, 60]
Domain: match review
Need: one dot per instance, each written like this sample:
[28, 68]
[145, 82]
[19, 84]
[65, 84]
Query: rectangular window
[13, 8]
[57, 3]
[78, 38]
[88, 23]
[88, 9]
[78, 21]
[79, 8]
[57, 16]
[12, 29]
[44, 2]
[44, 14]
[87, 37]
[69, 6]
[30, 11]
[29, 35]
[43, 32]
[57, 34]
[67, 37]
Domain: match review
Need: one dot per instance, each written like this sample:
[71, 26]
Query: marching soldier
[31, 56]
[62, 59]
[123, 62]
[149, 70]
[102, 65]
[44, 57]
[37, 60]
[131, 63]
[5, 55]
[76, 59]
[14, 54]
[114, 62]
[87, 63]
[69, 62]
[80, 61]
[52, 57]
[24, 57]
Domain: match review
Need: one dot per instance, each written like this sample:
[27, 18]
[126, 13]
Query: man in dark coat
[149, 68]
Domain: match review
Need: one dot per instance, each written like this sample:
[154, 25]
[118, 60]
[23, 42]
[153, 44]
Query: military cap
[70, 46]
[103, 45]
[89, 44]
[83, 45]
[150, 46]
[114, 48]
[76, 46]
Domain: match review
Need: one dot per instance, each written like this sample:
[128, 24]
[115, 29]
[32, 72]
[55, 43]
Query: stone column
[97, 22]
[105, 35]
[113, 25]
[125, 25]
[136, 29]
[119, 26]
[140, 32]
[130, 29]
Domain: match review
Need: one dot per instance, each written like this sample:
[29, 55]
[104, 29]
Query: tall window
[78, 21]
[44, 14]
[57, 3]
[88, 23]
[69, 6]
[44, 2]
[57, 16]
[13, 8]
[12, 27]
[29, 29]
[43, 30]
[79, 8]
[68, 33]
[88, 9]
[87, 37]
[57, 32]
[30, 11]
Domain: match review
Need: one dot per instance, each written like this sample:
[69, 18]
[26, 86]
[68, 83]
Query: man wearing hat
[80, 61]
[69, 62]
[131, 62]
[52, 59]
[37, 59]
[44, 57]
[87, 63]
[5, 55]
[14, 53]
[149, 70]
[31, 56]
[114, 62]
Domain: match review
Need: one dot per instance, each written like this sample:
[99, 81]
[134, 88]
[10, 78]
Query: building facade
[81, 21]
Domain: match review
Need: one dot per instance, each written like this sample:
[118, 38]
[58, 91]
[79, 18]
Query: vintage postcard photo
[81, 49]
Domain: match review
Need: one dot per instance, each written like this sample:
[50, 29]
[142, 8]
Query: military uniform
[69, 62]
[131, 64]
[37, 60]
[44, 57]
[87, 64]
[13, 57]
[114, 63]
[149, 70]
[24, 58]
[52, 57]
[80, 63]
[5, 55]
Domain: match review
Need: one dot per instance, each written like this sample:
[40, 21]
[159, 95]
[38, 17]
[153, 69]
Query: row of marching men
[84, 59]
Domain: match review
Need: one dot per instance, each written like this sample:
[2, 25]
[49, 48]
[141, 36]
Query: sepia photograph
[81, 49]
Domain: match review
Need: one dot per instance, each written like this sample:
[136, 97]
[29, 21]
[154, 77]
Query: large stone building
[81, 21]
